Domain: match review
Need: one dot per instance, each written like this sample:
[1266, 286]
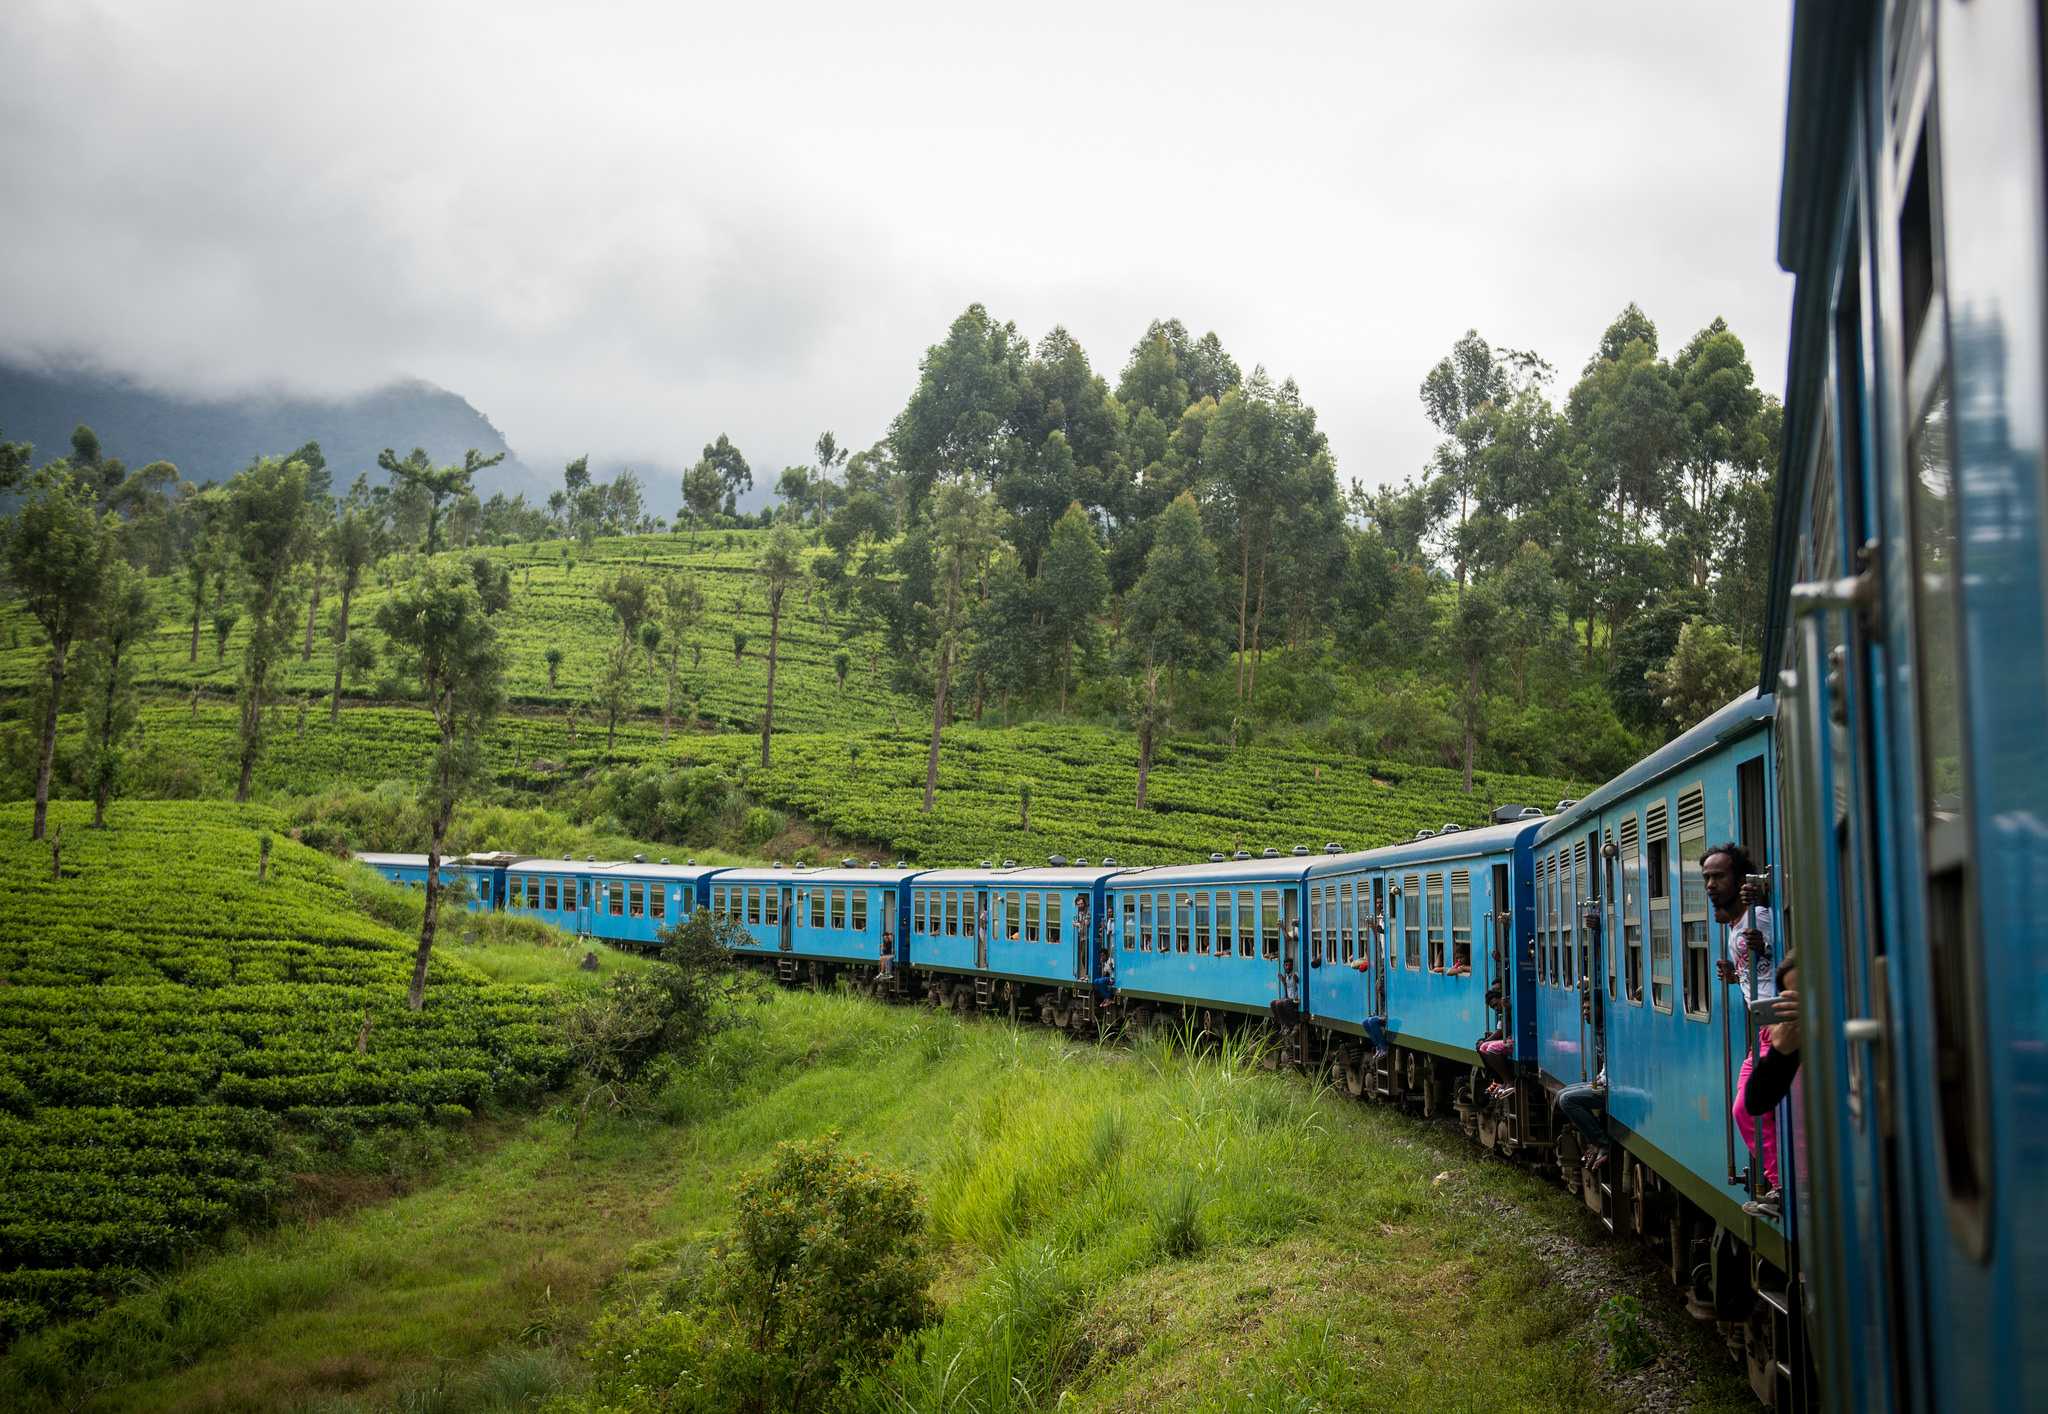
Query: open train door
[783, 938]
[981, 929]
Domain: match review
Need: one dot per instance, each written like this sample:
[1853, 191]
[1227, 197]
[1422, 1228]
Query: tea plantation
[165, 1017]
[555, 605]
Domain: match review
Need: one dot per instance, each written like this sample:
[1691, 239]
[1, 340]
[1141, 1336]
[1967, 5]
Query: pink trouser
[1759, 1133]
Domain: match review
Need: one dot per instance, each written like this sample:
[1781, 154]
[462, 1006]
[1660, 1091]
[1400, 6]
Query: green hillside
[555, 605]
[167, 1020]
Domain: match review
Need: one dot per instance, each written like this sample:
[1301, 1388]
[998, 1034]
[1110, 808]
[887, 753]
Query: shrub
[761, 825]
[824, 1273]
[1630, 1345]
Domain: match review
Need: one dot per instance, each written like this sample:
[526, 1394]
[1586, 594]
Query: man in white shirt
[1750, 962]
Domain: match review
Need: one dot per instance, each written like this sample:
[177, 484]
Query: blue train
[1886, 784]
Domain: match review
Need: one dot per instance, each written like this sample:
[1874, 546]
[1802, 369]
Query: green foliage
[1705, 672]
[1630, 1342]
[168, 1018]
[824, 1273]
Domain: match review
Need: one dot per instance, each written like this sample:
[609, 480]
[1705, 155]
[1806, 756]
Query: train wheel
[1354, 1074]
[962, 1000]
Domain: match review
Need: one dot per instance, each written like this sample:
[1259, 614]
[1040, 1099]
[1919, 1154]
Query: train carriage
[473, 883]
[628, 902]
[1207, 937]
[555, 891]
[1019, 938]
[819, 923]
[1907, 644]
[1437, 922]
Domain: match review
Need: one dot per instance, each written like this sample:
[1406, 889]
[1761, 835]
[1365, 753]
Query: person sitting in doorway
[1584, 1106]
[1727, 870]
[1767, 1082]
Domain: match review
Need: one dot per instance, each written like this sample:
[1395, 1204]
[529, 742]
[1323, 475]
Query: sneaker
[1597, 1158]
[1768, 1205]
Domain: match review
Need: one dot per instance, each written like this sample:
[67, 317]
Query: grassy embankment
[1122, 1230]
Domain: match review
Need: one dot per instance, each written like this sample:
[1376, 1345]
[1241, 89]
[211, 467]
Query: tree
[1477, 626]
[682, 605]
[780, 563]
[1173, 621]
[734, 475]
[616, 688]
[267, 526]
[206, 563]
[703, 493]
[650, 641]
[629, 596]
[353, 543]
[956, 422]
[1705, 672]
[964, 530]
[794, 487]
[1457, 393]
[554, 660]
[437, 484]
[126, 615]
[447, 641]
[1073, 585]
[57, 552]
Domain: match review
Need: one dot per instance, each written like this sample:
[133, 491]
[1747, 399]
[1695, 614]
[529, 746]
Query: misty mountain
[210, 439]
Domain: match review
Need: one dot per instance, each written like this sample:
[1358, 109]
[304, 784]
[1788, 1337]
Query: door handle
[1863, 1030]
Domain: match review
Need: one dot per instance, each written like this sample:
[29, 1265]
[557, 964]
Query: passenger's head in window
[1722, 870]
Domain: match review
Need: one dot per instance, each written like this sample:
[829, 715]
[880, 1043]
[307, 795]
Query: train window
[657, 901]
[917, 899]
[1053, 916]
[1545, 887]
[583, 892]
[636, 897]
[1433, 919]
[754, 904]
[1203, 921]
[1223, 926]
[1694, 922]
[1461, 921]
[1144, 922]
[618, 900]
[952, 912]
[1567, 890]
[1183, 920]
[838, 916]
[1247, 924]
[548, 894]
[1269, 924]
[1939, 582]
[1657, 834]
[859, 921]
[1130, 927]
[1315, 925]
[1034, 907]
[1350, 902]
[1411, 921]
[1631, 861]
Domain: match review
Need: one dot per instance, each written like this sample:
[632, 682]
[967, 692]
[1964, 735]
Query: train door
[1084, 930]
[1379, 934]
[1593, 940]
[889, 921]
[784, 916]
[981, 927]
[1500, 950]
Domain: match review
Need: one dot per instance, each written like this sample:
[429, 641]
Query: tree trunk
[101, 785]
[1471, 718]
[416, 995]
[1145, 729]
[774, 643]
[668, 706]
[312, 616]
[1066, 672]
[48, 755]
[348, 588]
[1244, 599]
[945, 676]
[1251, 686]
[198, 609]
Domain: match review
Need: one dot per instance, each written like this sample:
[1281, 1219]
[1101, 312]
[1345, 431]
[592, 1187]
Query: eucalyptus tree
[57, 549]
[127, 614]
[957, 424]
[1457, 394]
[1174, 622]
[268, 530]
[1073, 585]
[780, 563]
[682, 607]
[437, 484]
[965, 528]
[444, 634]
[209, 557]
[354, 540]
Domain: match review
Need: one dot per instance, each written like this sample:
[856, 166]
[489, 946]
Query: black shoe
[1768, 1205]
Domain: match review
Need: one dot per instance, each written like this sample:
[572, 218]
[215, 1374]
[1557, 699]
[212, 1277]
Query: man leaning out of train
[1734, 889]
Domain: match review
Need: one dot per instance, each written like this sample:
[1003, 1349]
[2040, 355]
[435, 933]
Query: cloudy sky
[626, 227]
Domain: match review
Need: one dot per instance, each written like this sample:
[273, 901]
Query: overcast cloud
[625, 227]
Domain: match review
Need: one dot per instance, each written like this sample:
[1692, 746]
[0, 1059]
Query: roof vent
[1080, 862]
[1565, 804]
[846, 863]
[568, 859]
[664, 859]
[1056, 861]
[691, 860]
[897, 865]
[874, 864]
[1242, 854]
[776, 865]
[1009, 864]
[639, 859]
[590, 859]
[1300, 850]
[1509, 814]
[1108, 863]
[1215, 857]
[985, 865]
[1269, 853]
[1332, 847]
[1451, 827]
[1422, 834]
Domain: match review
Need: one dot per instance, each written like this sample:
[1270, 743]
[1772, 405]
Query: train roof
[1455, 844]
[1052, 875]
[1746, 714]
[822, 874]
[1279, 869]
[688, 873]
[395, 861]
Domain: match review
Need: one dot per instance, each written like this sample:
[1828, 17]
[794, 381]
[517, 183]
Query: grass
[1123, 1230]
